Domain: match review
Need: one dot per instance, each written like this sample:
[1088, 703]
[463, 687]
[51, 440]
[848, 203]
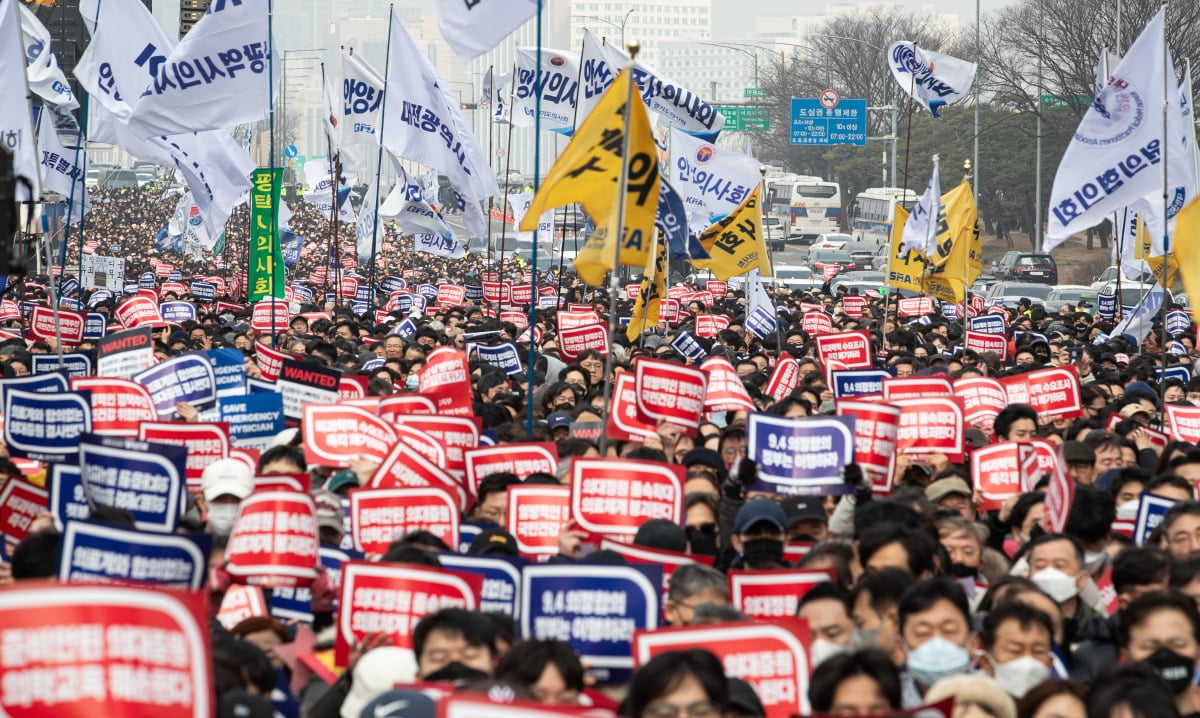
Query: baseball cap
[558, 420]
[342, 479]
[377, 673]
[760, 510]
[661, 534]
[942, 488]
[803, 508]
[1129, 410]
[329, 511]
[494, 541]
[400, 703]
[226, 477]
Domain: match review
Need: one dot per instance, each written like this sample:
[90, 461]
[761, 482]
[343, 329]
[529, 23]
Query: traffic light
[468, 106]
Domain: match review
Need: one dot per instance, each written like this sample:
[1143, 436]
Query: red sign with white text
[576, 340]
[916, 387]
[709, 325]
[915, 306]
[1053, 393]
[725, 390]
[669, 392]
[451, 295]
[536, 515]
[616, 496]
[520, 459]
[850, 348]
[495, 292]
[625, 422]
[392, 406]
[981, 342]
[455, 433]
[875, 429]
[785, 377]
[996, 472]
[576, 319]
[380, 516]
[929, 426]
[521, 294]
[69, 325]
[1184, 422]
[335, 434]
[854, 306]
[20, 503]
[817, 324]
[270, 316]
[717, 287]
[118, 405]
[270, 361]
[446, 379]
[205, 444]
[422, 443]
[274, 541]
[773, 594]
[138, 311]
[982, 399]
[404, 467]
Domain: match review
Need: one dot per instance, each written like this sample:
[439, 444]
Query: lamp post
[619, 25]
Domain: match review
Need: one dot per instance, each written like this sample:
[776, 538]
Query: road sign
[829, 98]
[813, 124]
[741, 118]
[754, 93]
[1052, 101]
[290, 151]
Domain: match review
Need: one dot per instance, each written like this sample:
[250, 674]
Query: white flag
[63, 170]
[920, 231]
[1113, 159]
[598, 74]
[366, 231]
[760, 311]
[712, 181]
[472, 27]
[676, 105]
[332, 120]
[559, 89]
[408, 208]
[439, 245]
[501, 106]
[16, 122]
[45, 77]
[362, 99]
[431, 187]
[215, 78]
[188, 225]
[519, 203]
[933, 79]
[425, 124]
[1182, 180]
[1139, 322]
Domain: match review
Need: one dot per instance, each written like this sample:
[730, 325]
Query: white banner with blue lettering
[933, 79]
[557, 83]
[63, 170]
[362, 99]
[519, 203]
[711, 180]
[216, 77]
[675, 104]
[45, 77]
[472, 28]
[16, 123]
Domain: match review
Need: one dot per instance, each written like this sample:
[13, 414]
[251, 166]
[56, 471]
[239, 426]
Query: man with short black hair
[454, 636]
[1017, 641]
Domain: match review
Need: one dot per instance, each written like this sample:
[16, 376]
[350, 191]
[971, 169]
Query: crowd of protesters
[931, 596]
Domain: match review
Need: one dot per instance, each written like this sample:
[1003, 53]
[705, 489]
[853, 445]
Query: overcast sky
[736, 17]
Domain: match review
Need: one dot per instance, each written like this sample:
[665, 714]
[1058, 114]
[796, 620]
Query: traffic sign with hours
[742, 118]
[843, 124]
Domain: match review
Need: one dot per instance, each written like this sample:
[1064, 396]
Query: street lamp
[610, 21]
[739, 47]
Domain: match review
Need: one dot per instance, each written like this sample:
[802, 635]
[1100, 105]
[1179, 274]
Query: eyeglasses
[699, 709]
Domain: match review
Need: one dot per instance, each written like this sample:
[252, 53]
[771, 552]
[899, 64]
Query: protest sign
[457, 434]
[125, 353]
[535, 516]
[138, 311]
[854, 306]
[982, 399]
[420, 442]
[253, 419]
[1053, 393]
[274, 540]
[933, 425]
[1151, 510]
[1059, 496]
[67, 501]
[270, 315]
[74, 650]
[380, 516]
[856, 382]
[302, 383]
[72, 365]
[666, 391]
[335, 434]
[391, 599]
[451, 295]
[996, 472]
[205, 443]
[576, 340]
[145, 479]
[521, 459]
[817, 324]
[392, 406]
[20, 504]
[915, 306]
[709, 325]
[801, 456]
[45, 326]
[785, 377]
[270, 361]
[45, 427]
[594, 608]
[982, 342]
[118, 405]
[688, 347]
[616, 496]
[229, 371]
[502, 356]
[405, 467]
[625, 422]
[102, 553]
[178, 312]
[724, 390]
[96, 326]
[239, 603]
[188, 378]
[576, 319]
[39, 384]
[989, 324]
[773, 594]
[501, 579]
[446, 380]
[1184, 422]
[916, 387]
[667, 560]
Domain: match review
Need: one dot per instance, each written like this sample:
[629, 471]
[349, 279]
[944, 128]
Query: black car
[1026, 267]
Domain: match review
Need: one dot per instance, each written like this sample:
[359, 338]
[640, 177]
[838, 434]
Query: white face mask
[221, 518]
[1128, 510]
[1060, 586]
[823, 650]
[1018, 676]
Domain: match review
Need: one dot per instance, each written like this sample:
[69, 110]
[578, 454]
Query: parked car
[1010, 293]
[1065, 294]
[819, 258]
[876, 279]
[795, 277]
[1109, 276]
[831, 241]
[774, 233]
[1026, 267]
[121, 179]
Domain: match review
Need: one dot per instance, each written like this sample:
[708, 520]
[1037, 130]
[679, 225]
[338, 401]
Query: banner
[266, 254]
[446, 379]
[1053, 393]
[857, 382]
[670, 392]
[69, 325]
[188, 378]
[381, 516]
[45, 427]
[989, 324]
[274, 540]
[576, 340]
[712, 181]
[536, 515]
[101, 553]
[850, 348]
[982, 399]
[800, 456]
[335, 435]
[772, 594]
[933, 425]
[931, 78]
[147, 480]
[302, 383]
[124, 354]
[118, 405]
[981, 342]
[520, 459]
[20, 504]
[616, 496]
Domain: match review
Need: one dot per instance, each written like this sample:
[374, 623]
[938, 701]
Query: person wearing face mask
[876, 610]
[1056, 566]
[223, 485]
[759, 530]
[701, 512]
[1016, 641]
[935, 632]
[826, 607]
[691, 586]
[1161, 630]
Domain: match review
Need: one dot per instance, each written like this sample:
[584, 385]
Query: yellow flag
[735, 244]
[588, 172]
[1187, 247]
[654, 288]
[906, 268]
[1144, 247]
[959, 256]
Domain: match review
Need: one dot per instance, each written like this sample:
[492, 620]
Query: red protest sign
[916, 387]
[422, 443]
[576, 340]
[516, 317]
[1184, 422]
[996, 472]
[616, 496]
[915, 306]
[455, 433]
[274, 540]
[668, 560]
[392, 406]
[118, 405]
[352, 387]
[20, 503]
[982, 399]
[404, 467]
[521, 293]
[520, 459]
[451, 295]
[773, 594]
[875, 429]
[1054, 393]
[625, 423]
[850, 348]
[981, 342]
[709, 325]
[785, 377]
[270, 361]
[1059, 496]
[348, 287]
[576, 319]
[536, 514]
[270, 316]
[669, 392]
[391, 598]
[717, 287]
[446, 379]
[177, 288]
[817, 323]
[240, 603]
[69, 325]
[724, 389]
[633, 291]
[205, 443]
[9, 311]
[79, 650]
[854, 306]
[495, 292]
[928, 426]
[380, 516]
[138, 311]
[771, 656]
[668, 310]
[335, 434]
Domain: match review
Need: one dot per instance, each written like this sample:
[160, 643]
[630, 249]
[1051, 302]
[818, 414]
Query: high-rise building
[652, 25]
[190, 12]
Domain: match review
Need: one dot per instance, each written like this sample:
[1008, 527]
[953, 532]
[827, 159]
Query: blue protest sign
[364, 295]
[359, 308]
[292, 604]
[146, 281]
[95, 326]
[254, 419]
[229, 370]
[1037, 336]
[72, 304]
[547, 301]
[1182, 372]
[1151, 510]
[187, 378]
[372, 364]
[392, 283]
[260, 386]
[803, 455]
[68, 502]
[404, 303]
[418, 304]
[146, 479]
[858, 381]
[100, 295]
[101, 553]
[46, 427]
[475, 293]
[69, 287]
[949, 311]
[1178, 322]
[178, 312]
[428, 291]
[595, 608]
[204, 291]
[51, 383]
[761, 322]
[174, 275]
[72, 364]
[501, 579]
[405, 329]
[988, 324]
[688, 347]
[1106, 305]
[467, 532]
[504, 356]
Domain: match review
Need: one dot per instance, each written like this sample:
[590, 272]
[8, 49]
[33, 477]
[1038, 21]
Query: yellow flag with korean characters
[589, 172]
[653, 289]
[960, 252]
[1186, 248]
[735, 244]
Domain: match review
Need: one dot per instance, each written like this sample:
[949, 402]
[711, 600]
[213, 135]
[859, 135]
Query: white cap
[284, 437]
[226, 476]
[377, 672]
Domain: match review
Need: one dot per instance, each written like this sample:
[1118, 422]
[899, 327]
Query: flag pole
[762, 210]
[376, 235]
[614, 277]
[968, 174]
[512, 84]
[274, 200]
[537, 176]
[1165, 280]
[491, 91]
[335, 168]
[574, 126]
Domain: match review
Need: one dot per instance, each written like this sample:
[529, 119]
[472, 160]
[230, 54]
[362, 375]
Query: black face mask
[762, 552]
[960, 571]
[703, 544]
[1174, 668]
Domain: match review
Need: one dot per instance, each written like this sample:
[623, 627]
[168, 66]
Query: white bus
[807, 206]
[874, 212]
